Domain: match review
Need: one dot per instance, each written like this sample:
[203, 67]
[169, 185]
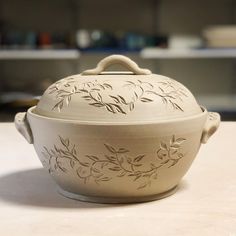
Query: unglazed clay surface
[118, 162]
[117, 97]
[142, 91]
[117, 137]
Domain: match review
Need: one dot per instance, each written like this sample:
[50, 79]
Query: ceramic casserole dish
[117, 137]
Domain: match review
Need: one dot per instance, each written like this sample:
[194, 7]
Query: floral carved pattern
[116, 163]
[167, 91]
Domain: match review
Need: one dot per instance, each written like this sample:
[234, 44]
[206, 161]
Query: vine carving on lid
[142, 91]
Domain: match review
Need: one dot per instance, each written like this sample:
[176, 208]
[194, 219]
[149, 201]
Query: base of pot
[116, 199]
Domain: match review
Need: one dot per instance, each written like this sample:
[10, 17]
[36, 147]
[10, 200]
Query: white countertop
[205, 203]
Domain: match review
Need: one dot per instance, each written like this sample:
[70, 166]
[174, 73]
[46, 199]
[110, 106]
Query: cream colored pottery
[116, 137]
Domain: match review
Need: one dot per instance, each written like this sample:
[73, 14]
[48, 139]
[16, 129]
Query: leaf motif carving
[116, 160]
[131, 106]
[115, 168]
[110, 108]
[96, 104]
[139, 158]
[72, 163]
[105, 179]
[122, 99]
[110, 158]
[107, 85]
[110, 148]
[163, 146]
[65, 142]
[143, 99]
[175, 145]
[122, 150]
[118, 108]
[93, 158]
[180, 140]
[115, 99]
[168, 91]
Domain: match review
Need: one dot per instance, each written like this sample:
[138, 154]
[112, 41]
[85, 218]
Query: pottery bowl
[117, 162]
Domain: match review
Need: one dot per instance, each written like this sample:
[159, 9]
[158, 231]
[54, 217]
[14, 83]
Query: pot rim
[31, 112]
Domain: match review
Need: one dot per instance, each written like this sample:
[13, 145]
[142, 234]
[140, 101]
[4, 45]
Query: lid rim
[32, 113]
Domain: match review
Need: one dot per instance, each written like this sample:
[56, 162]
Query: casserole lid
[117, 97]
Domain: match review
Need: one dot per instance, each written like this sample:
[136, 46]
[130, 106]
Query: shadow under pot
[117, 137]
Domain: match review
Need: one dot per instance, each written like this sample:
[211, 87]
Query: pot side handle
[117, 59]
[210, 127]
[23, 127]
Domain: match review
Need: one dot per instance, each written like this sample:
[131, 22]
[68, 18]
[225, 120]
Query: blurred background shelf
[146, 53]
[156, 53]
[45, 54]
[223, 104]
[220, 103]
[160, 35]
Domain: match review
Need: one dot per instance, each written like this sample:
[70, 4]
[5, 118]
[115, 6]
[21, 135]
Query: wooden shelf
[156, 53]
[45, 54]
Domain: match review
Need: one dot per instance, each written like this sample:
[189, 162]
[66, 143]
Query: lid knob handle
[117, 59]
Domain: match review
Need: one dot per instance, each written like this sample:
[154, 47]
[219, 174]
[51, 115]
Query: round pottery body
[116, 163]
[117, 136]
